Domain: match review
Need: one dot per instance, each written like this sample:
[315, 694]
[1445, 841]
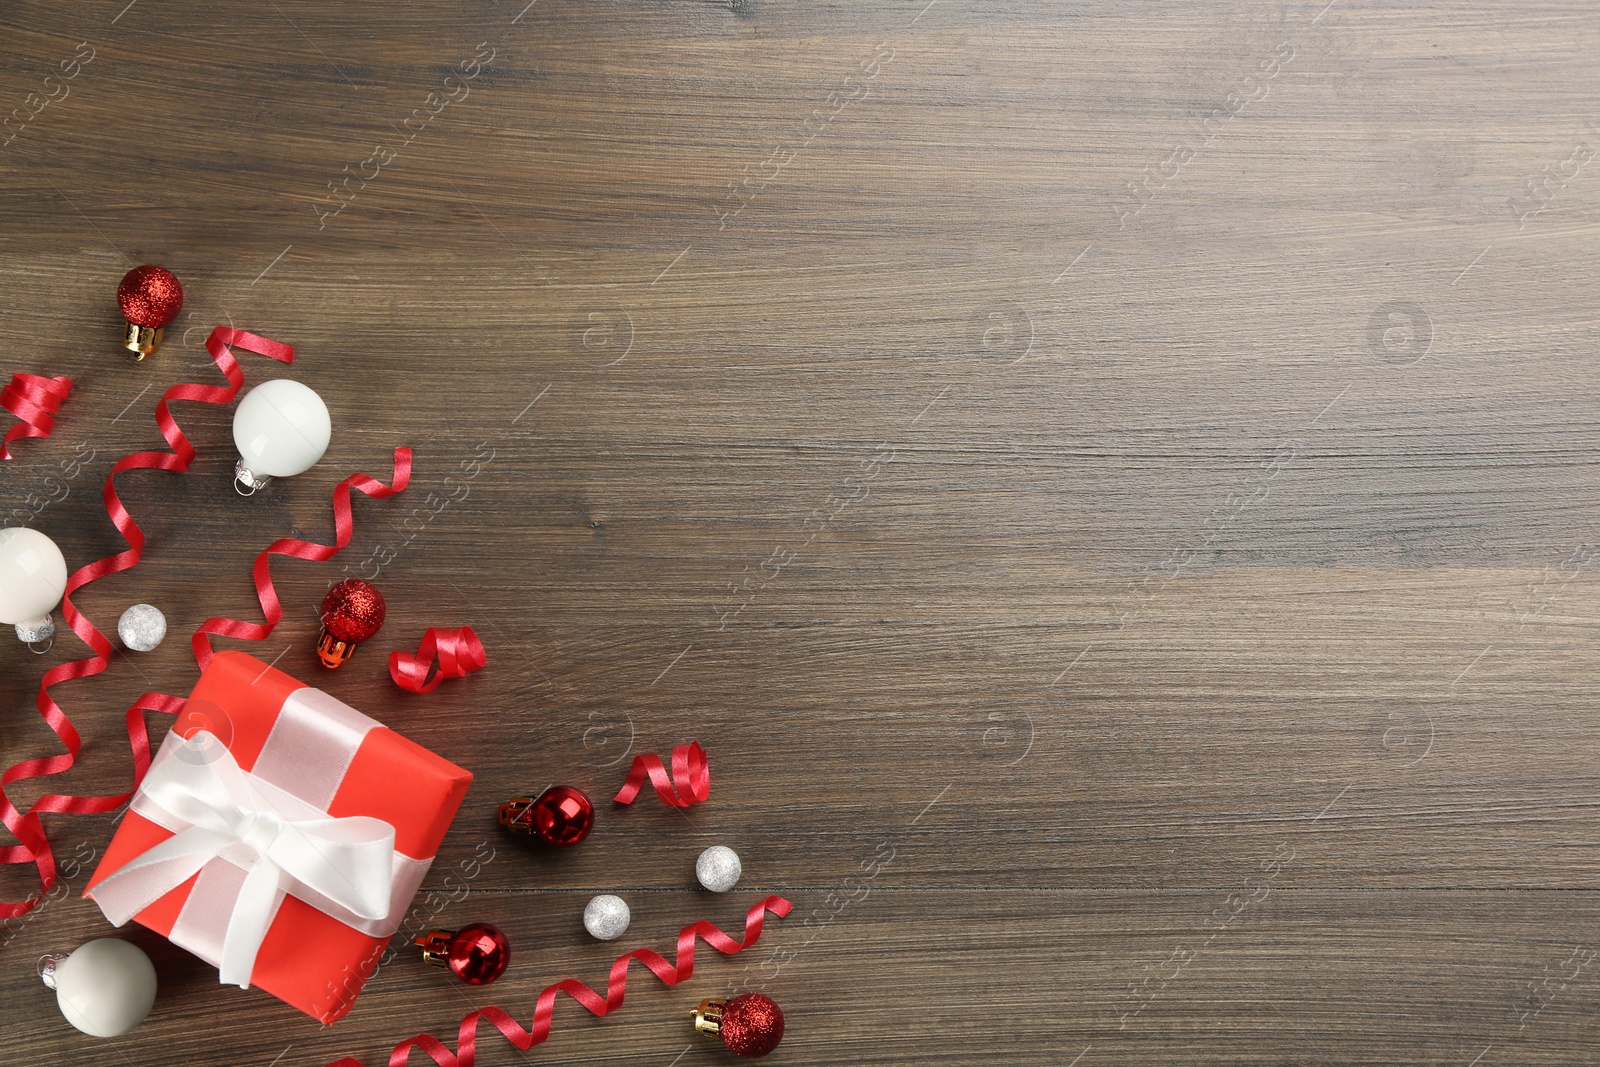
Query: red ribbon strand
[689, 769]
[459, 653]
[33, 845]
[467, 1040]
[35, 400]
[266, 593]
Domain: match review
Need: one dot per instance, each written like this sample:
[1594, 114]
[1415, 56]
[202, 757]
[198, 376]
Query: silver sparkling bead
[142, 627]
[39, 631]
[718, 868]
[607, 917]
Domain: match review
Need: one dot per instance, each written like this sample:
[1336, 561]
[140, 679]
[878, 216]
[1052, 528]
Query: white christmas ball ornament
[105, 988]
[282, 429]
[607, 917]
[718, 868]
[33, 577]
[142, 627]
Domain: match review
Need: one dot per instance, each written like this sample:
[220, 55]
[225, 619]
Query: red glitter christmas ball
[353, 610]
[562, 816]
[478, 954]
[150, 296]
[751, 1025]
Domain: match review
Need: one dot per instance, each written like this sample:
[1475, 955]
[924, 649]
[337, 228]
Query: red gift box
[313, 758]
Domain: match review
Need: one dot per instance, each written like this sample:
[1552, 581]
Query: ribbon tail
[247, 926]
[156, 872]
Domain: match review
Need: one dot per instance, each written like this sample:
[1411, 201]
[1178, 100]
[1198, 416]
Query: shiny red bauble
[150, 296]
[476, 954]
[560, 816]
[353, 610]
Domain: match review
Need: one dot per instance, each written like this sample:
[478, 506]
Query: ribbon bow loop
[232, 815]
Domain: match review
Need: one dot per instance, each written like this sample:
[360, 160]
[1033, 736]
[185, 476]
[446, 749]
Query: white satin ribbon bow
[282, 843]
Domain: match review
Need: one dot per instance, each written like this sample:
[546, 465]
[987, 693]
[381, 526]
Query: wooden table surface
[1112, 486]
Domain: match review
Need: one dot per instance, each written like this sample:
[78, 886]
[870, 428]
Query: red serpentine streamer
[689, 767]
[34, 399]
[459, 653]
[344, 529]
[33, 845]
[467, 1041]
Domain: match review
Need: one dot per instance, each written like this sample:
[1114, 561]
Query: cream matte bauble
[281, 429]
[33, 577]
[105, 988]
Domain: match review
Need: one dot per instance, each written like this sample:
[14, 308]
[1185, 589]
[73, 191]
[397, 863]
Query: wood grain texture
[1132, 466]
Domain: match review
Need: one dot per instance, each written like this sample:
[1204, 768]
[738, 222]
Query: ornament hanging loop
[247, 482]
[47, 967]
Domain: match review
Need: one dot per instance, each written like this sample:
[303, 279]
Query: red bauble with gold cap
[476, 954]
[750, 1024]
[561, 816]
[150, 297]
[352, 611]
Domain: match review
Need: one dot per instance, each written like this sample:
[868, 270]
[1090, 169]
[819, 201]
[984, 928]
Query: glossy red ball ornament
[750, 1024]
[561, 816]
[352, 611]
[476, 954]
[150, 297]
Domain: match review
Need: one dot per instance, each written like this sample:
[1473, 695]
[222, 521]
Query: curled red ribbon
[467, 1041]
[459, 653]
[34, 399]
[689, 768]
[266, 593]
[33, 845]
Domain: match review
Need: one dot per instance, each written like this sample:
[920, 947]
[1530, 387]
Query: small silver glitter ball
[718, 868]
[142, 627]
[607, 917]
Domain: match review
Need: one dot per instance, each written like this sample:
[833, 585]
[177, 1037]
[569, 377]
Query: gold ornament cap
[708, 1016]
[516, 815]
[332, 651]
[142, 340]
[435, 947]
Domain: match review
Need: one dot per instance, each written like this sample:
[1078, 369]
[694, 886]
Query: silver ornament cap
[142, 627]
[718, 868]
[607, 917]
[33, 631]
